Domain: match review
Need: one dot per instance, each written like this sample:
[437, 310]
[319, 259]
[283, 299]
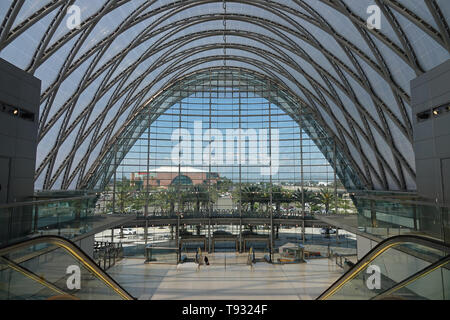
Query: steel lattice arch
[353, 80]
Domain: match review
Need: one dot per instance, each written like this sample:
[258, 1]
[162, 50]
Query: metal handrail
[34, 277]
[438, 264]
[378, 250]
[77, 253]
[39, 202]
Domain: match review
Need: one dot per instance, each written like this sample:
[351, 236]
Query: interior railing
[401, 267]
[52, 267]
[64, 216]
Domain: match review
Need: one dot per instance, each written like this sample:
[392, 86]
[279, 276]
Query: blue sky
[225, 115]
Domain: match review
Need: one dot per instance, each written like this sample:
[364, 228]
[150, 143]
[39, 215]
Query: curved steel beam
[395, 120]
[172, 84]
[253, 62]
[367, 115]
[281, 55]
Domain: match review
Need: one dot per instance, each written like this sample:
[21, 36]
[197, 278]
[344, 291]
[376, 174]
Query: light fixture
[435, 112]
[15, 112]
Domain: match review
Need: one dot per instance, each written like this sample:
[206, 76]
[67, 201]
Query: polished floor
[226, 278]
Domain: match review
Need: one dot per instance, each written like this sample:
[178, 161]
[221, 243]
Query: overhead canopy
[356, 79]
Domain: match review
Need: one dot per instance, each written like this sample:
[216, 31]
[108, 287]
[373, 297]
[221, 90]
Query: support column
[240, 167]
[240, 235]
[178, 189]
[335, 178]
[302, 181]
[147, 182]
[177, 239]
[146, 231]
[373, 214]
[209, 235]
[209, 166]
[114, 179]
[271, 183]
[415, 217]
[337, 234]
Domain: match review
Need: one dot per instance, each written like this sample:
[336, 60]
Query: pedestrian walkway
[231, 281]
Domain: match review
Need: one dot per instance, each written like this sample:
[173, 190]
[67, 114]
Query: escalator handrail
[375, 252]
[77, 253]
[31, 275]
[422, 273]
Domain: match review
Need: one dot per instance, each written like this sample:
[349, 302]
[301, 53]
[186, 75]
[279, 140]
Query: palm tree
[326, 198]
[251, 194]
[139, 201]
[307, 196]
[199, 194]
[279, 195]
[171, 196]
[124, 195]
[184, 199]
[165, 200]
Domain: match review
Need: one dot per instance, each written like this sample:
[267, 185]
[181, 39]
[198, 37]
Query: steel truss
[367, 142]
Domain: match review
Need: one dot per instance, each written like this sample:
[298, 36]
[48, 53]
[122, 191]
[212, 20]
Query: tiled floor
[233, 281]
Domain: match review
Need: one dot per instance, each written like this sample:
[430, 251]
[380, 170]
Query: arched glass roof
[238, 79]
[124, 52]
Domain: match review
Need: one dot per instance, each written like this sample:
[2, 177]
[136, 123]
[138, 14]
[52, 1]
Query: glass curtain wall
[223, 147]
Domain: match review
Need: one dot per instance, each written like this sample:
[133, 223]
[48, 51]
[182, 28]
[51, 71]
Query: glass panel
[66, 217]
[384, 218]
[389, 268]
[17, 286]
[432, 286]
[53, 269]
[211, 107]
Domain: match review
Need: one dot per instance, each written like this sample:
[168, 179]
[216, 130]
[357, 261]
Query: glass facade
[224, 124]
[224, 142]
[100, 62]
[387, 216]
[67, 217]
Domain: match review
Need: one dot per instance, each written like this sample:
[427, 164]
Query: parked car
[330, 231]
[128, 231]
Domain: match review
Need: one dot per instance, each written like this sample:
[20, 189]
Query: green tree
[308, 196]
[124, 194]
[279, 196]
[224, 184]
[199, 195]
[139, 201]
[171, 197]
[326, 197]
[251, 195]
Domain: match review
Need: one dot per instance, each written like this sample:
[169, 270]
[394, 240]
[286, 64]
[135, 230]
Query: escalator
[404, 267]
[54, 268]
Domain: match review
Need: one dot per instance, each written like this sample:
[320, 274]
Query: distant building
[171, 175]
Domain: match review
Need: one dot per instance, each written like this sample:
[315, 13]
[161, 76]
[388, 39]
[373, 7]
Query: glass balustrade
[53, 268]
